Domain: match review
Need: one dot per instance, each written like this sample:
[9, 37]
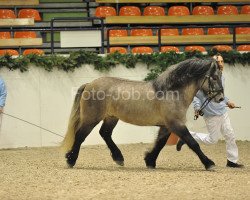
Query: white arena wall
[45, 98]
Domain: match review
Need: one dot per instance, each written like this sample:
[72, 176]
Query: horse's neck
[189, 92]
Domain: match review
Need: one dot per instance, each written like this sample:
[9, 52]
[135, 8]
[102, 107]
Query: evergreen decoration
[156, 62]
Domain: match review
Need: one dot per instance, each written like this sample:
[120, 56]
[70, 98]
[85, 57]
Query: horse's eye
[214, 78]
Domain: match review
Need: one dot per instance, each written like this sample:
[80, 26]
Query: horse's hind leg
[150, 158]
[185, 135]
[106, 133]
[80, 136]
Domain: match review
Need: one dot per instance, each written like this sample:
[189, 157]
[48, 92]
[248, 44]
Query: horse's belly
[141, 115]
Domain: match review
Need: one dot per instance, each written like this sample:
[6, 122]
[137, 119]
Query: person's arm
[197, 102]
[3, 95]
[226, 100]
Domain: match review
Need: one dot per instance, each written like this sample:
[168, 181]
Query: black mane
[182, 74]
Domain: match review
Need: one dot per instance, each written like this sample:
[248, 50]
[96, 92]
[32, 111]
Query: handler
[217, 121]
[3, 94]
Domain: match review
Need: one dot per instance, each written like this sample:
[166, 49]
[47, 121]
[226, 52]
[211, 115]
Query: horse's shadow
[140, 169]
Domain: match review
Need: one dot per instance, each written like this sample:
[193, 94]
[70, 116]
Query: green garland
[156, 62]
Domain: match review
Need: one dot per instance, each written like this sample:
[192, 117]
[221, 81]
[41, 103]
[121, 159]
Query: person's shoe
[179, 145]
[234, 165]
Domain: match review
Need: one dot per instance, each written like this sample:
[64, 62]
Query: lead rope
[33, 124]
[205, 103]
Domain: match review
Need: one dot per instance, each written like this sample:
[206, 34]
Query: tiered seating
[227, 10]
[245, 9]
[121, 50]
[181, 15]
[218, 31]
[169, 48]
[7, 14]
[142, 49]
[5, 35]
[26, 17]
[195, 48]
[105, 11]
[29, 13]
[141, 32]
[130, 11]
[178, 11]
[33, 51]
[203, 10]
[154, 11]
[8, 51]
[222, 48]
[243, 48]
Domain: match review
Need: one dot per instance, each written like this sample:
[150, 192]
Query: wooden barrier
[19, 2]
[181, 39]
[17, 22]
[171, 1]
[17, 42]
[190, 19]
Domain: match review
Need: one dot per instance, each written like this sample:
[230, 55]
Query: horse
[162, 102]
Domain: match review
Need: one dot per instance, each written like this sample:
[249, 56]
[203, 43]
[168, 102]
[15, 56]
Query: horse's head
[212, 84]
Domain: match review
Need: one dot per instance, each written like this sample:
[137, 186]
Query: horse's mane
[182, 74]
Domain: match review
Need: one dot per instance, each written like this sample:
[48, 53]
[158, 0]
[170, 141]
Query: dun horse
[162, 102]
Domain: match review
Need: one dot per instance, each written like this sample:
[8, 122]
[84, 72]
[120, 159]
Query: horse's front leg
[184, 134]
[150, 157]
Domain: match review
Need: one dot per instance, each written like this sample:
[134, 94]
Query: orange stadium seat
[154, 11]
[245, 9]
[105, 11]
[8, 51]
[227, 10]
[130, 11]
[33, 51]
[146, 50]
[141, 32]
[195, 48]
[169, 31]
[169, 48]
[242, 30]
[192, 31]
[245, 47]
[218, 31]
[121, 50]
[118, 33]
[4, 35]
[7, 14]
[178, 11]
[203, 10]
[29, 13]
[25, 34]
[222, 48]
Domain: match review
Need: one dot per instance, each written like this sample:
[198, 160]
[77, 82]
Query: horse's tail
[74, 122]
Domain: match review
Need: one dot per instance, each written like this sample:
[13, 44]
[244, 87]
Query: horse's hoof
[70, 166]
[150, 167]
[119, 162]
[70, 160]
[210, 166]
[150, 163]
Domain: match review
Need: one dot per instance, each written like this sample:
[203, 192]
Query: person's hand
[1, 110]
[231, 105]
[196, 114]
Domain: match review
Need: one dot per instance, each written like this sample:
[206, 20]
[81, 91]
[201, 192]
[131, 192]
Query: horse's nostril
[221, 99]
